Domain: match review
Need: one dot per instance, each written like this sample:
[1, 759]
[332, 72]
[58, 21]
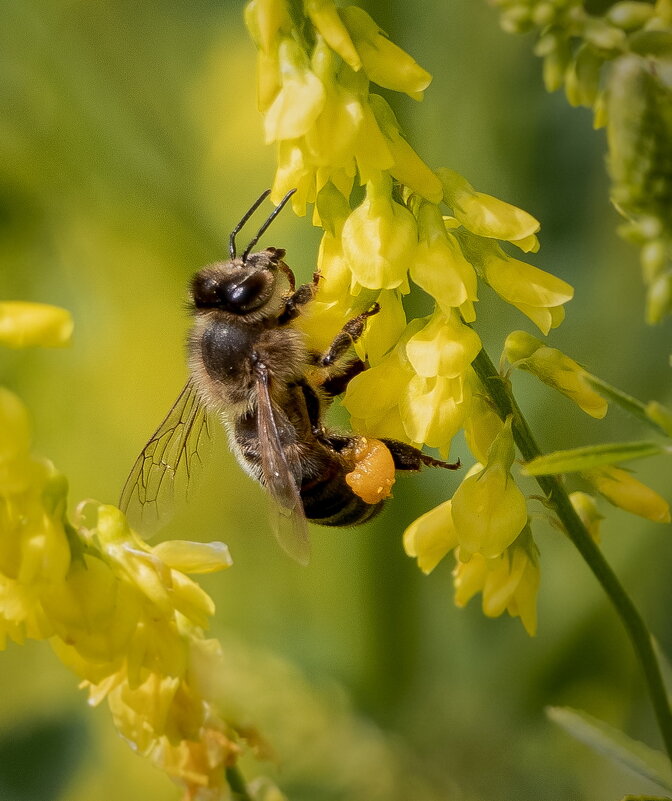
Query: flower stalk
[498, 390]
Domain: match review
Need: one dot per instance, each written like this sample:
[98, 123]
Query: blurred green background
[130, 145]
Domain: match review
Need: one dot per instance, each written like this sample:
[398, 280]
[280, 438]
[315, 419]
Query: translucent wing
[290, 527]
[168, 463]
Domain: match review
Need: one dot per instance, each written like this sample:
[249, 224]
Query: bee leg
[337, 384]
[350, 333]
[299, 297]
[313, 406]
[406, 457]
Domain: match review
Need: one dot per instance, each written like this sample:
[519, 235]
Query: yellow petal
[325, 18]
[300, 101]
[482, 425]
[384, 62]
[444, 347]
[383, 330]
[469, 577]
[586, 508]
[265, 19]
[194, 557]
[294, 172]
[14, 426]
[23, 324]
[379, 241]
[440, 267]
[431, 536]
[486, 215]
[433, 409]
[521, 283]
[623, 490]
[489, 511]
[409, 169]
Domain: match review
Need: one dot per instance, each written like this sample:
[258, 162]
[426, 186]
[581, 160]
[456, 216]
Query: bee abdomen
[329, 501]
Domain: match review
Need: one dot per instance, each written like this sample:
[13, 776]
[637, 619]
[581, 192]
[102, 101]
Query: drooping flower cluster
[615, 65]
[413, 227]
[122, 615]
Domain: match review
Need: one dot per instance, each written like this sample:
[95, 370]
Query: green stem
[237, 784]
[498, 390]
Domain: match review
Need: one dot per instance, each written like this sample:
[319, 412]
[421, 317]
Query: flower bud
[537, 294]
[586, 508]
[384, 62]
[623, 490]
[324, 16]
[483, 214]
[551, 366]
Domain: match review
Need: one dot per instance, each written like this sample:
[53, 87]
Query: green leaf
[632, 754]
[590, 456]
[653, 413]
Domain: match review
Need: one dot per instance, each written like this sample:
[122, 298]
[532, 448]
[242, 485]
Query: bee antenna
[270, 219]
[246, 217]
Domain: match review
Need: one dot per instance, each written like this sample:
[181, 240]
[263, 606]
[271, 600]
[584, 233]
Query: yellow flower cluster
[122, 615]
[413, 226]
[633, 98]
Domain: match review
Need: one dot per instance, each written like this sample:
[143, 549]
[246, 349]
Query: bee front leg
[299, 297]
[349, 334]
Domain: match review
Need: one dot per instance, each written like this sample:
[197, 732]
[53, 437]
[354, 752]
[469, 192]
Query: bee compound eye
[247, 294]
[205, 290]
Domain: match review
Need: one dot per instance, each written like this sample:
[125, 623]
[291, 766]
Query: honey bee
[254, 370]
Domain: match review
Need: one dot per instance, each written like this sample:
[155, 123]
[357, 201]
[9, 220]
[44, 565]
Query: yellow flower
[372, 152]
[482, 425]
[379, 240]
[372, 397]
[23, 324]
[408, 168]
[586, 508]
[434, 409]
[623, 490]
[266, 19]
[440, 267]
[384, 62]
[508, 583]
[325, 18]
[537, 294]
[488, 216]
[295, 171]
[551, 366]
[431, 536]
[444, 347]
[489, 510]
[301, 99]
[384, 329]
[330, 140]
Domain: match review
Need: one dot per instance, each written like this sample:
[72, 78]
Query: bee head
[238, 287]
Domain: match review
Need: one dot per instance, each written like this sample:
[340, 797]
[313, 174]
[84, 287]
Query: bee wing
[290, 527]
[167, 465]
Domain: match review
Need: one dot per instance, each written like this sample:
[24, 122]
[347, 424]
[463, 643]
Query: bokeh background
[130, 144]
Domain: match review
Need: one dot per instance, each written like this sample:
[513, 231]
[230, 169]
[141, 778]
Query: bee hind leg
[406, 457]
